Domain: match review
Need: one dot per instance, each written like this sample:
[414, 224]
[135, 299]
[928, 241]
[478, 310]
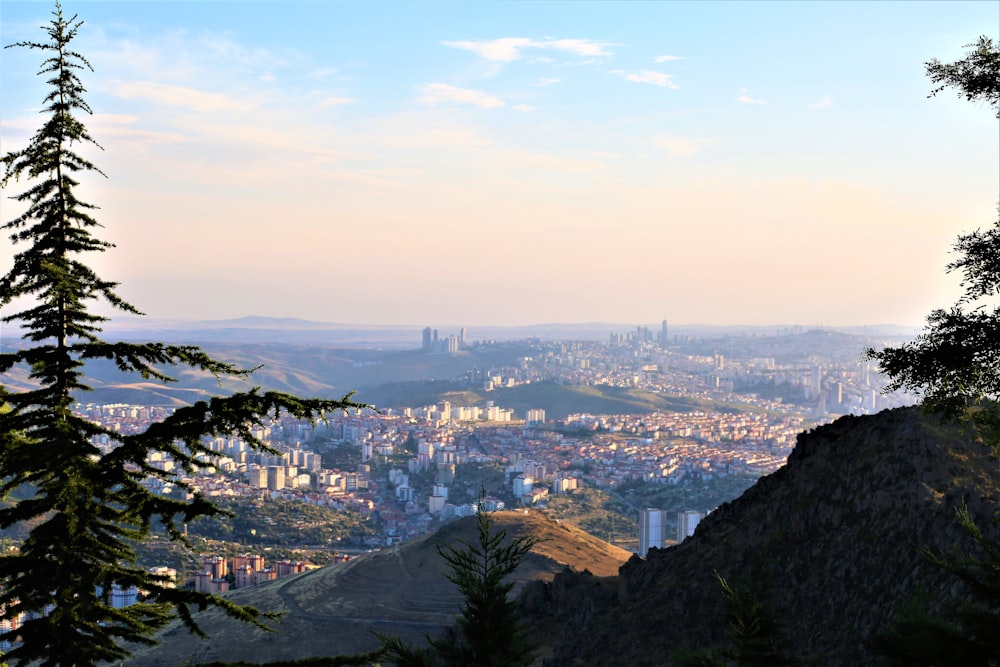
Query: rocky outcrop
[834, 537]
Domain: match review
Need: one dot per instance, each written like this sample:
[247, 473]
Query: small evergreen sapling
[489, 632]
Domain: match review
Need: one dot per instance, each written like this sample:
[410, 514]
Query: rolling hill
[401, 590]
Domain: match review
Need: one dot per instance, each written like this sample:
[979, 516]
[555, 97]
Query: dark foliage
[976, 76]
[963, 632]
[755, 634]
[489, 632]
[955, 363]
[359, 660]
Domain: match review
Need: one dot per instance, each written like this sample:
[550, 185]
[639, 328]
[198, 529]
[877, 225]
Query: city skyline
[404, 163]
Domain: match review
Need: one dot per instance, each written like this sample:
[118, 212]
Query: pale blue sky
[525, 162]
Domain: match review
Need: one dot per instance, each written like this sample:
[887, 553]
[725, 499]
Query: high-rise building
[650, 530]
[686, 523]
[534, 416]
[663, 334]
[427, 346]
[275, 478]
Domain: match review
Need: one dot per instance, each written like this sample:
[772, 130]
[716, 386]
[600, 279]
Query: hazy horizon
[523, 163]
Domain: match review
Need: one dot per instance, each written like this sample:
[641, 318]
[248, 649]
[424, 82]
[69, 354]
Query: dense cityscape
[399, 470]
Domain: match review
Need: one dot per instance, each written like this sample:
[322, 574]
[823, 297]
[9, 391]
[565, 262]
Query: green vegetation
[962, 631]
[558, 400]
[975, 76]
[339, 456]
[470, 478]
[599, 512]
[489, 632]
[754, 631]
[89, 506]
[262, 522]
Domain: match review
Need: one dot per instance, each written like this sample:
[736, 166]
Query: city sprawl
[400, 469]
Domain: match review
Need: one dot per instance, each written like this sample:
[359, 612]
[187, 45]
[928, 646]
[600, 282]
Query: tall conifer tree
[88, 506]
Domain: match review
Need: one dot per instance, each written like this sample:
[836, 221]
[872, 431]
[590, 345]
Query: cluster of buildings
[654, 528]
[432, 343]
[220, 574]
[789, 373]
[539, 458]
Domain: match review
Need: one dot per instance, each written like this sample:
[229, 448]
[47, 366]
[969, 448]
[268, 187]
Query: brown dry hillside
[401, 590]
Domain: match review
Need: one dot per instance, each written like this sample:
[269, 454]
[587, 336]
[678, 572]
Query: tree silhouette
[975, 76]
[955, 363]
[88, 505]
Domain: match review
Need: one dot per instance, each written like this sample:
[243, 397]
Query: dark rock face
[834, 537]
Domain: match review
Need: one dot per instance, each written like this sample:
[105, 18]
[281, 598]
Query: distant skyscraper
[426, 346]
[816, 379]
[663, 334]
[650, 530]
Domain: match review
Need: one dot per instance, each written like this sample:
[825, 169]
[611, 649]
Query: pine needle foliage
[489, 630]
[88, 505]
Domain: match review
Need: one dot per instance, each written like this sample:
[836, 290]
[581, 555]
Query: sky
[511, 163]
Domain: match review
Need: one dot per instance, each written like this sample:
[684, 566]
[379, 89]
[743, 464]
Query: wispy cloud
[743, 97]
[549, 81]
[178, 96]
[441, 93]
[677, 146]
[335, 102]
[648, 76]
[525, 107]
[129, 127]
[509, 49]
[822, 104]
[666, 59]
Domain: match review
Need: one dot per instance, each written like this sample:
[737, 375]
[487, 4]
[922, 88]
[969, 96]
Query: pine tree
[488, 632]
[88, 506]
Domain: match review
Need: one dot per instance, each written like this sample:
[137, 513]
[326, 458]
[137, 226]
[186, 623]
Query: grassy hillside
[558, 400]
[401, 590]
